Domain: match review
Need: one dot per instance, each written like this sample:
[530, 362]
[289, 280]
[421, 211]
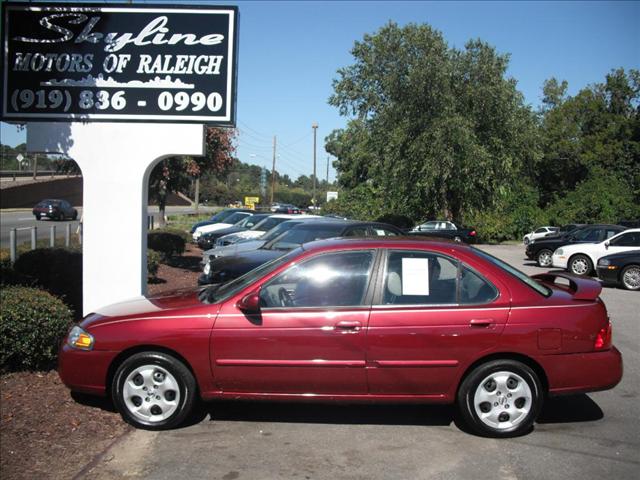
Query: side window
[382, 232]
[591, 235]
[540, 230]
[419, 278]
[631, 239]
[475, 289]
[335, 279]
[610, 233]
[357, 232]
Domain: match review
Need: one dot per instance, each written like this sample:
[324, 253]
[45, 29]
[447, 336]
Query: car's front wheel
[500, 398]
[630, 277]
[544, 258]
[153, 390]
[580, 265]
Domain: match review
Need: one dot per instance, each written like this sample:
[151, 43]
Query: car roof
[413, 241]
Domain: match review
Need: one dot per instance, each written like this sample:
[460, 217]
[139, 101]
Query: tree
[175, 174]
[433, 130]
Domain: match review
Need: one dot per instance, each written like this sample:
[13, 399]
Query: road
[582, 437]
[22, 220]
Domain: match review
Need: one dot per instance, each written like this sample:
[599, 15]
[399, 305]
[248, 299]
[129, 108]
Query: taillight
[603, 338]
[472, 233]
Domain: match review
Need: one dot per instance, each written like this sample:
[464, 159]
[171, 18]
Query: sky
[290, 51]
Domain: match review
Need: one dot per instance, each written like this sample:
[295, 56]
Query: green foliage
[167, 242]
[153, 263]
[400, 221]
[360, 202]
[602, 198]
[57, 270]
[437, 130]
[32, 324]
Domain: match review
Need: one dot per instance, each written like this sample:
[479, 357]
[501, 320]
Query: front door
[309, 338]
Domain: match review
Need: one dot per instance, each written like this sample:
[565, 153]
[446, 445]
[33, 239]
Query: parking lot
[584, 436]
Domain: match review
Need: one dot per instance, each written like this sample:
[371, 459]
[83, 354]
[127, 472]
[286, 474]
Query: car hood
[234, 248]
[146, 307]
[623, 255]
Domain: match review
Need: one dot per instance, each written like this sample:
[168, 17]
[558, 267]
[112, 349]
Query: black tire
[177, 371]
[513, 419]
[37, 216]
[629, 277]
[543, 258]
[75, 215]
[580, 265]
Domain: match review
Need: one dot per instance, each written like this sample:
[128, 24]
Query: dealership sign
[89, 62]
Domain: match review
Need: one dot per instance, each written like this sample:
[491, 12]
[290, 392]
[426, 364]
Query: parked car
[286, 208]
[581, 258]
[250, 245]
[621, 269]
[258, 230]
[226, 223]
[542, 250]
[445, 229]
[539, 233]
[208, 240]
[219, 217]
[374, 319]
[224, 269]
[55, 209]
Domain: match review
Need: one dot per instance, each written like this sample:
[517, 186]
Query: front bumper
[583, 372]
[85, 371]
[559, 261]
[608, 274]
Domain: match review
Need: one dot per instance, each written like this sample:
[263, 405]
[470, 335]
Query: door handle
[348, 327]
[481, 322]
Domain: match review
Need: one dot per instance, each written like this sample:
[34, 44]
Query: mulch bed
[48, 433]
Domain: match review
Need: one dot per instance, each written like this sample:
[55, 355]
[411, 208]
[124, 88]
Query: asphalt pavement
[592, 436]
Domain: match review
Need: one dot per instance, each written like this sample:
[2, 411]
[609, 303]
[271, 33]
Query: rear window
[524, 278]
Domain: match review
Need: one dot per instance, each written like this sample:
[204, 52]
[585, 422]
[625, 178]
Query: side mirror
[250, 303]
[606, 245]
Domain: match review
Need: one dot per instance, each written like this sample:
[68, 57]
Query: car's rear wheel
[580, 265]
[630, 277]
[153, 390]
[500, 398]
[37, 216]
[544, 258]
[75, 215]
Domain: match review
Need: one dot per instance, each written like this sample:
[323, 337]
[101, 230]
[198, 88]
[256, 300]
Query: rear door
[430, 316]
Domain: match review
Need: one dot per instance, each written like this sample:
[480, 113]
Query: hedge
[168, 242]
[32, 325]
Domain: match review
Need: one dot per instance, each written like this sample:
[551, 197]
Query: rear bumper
[85, 371]
[582, 372]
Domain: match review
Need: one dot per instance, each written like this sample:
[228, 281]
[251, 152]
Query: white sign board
[415, 276]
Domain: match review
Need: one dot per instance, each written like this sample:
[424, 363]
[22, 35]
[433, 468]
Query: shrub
[153, 262]
[32, 324]
[167, 242]
[57, 270]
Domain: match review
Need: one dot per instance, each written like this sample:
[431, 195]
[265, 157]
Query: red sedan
[389, 320]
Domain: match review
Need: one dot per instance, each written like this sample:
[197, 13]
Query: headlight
[532, 241]
[80, 339]
[559, 251]
[207, 269]
[604, 262]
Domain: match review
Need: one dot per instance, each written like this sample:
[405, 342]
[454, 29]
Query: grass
[185, 221]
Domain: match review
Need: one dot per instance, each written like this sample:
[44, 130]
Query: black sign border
[90, 118]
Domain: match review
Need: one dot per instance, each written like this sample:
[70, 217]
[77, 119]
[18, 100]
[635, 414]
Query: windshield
[220, 216]
[221, 292]
[279, 230]
[236, 217]
[296, 237]
[267, 224]
[541, 289]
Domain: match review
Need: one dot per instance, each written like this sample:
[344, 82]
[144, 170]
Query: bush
[32, 324]
[57, 270]
[153, 263]
[167, 242]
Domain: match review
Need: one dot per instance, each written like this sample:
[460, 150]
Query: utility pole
[315, 128]
[35, 166]
[273, 170]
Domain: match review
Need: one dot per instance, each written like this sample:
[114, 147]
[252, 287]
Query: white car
[230, 221]
[581, 258]
[539, 233]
